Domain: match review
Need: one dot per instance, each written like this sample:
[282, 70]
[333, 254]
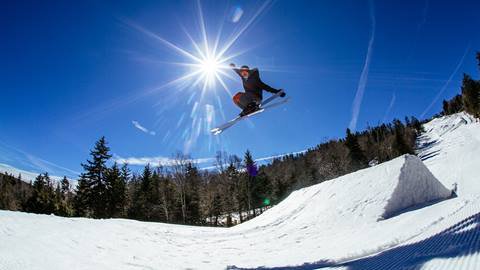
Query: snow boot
[251, 108]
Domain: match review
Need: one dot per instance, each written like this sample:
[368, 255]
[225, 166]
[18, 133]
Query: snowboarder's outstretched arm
[263, 85]
[268, 88]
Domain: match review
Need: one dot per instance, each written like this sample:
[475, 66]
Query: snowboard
[265, 105]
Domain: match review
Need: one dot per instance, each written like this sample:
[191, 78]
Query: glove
[232, 65]
[282, 94]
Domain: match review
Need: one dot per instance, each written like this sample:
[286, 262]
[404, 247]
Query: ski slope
[398, 214]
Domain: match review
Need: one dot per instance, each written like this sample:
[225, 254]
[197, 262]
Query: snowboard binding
[251, 108]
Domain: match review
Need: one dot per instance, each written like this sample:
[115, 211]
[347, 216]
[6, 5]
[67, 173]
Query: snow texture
[416, 185]
[390, 216]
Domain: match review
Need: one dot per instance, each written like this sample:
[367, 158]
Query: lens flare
[206, 69]
[210, 67]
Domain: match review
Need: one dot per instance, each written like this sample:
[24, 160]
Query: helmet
[245, 67]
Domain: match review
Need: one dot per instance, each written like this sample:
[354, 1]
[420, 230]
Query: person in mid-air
[250, 100]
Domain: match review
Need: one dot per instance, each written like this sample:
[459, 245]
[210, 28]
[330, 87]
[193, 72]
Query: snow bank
[415, 185]
[438, 127]
[450, 148]
[371, 194]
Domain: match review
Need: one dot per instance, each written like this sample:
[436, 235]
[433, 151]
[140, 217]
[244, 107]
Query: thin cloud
[424, 15]
[166, 161]
[390, 107]
[12, 156]
[263, 158]
[444, 87]
[159, 160]
[280, 156]
[357, 102]
[137, 125]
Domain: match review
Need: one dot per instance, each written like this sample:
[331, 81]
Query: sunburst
[206, 68]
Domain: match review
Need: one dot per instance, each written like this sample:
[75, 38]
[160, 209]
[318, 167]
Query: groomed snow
[378, 218]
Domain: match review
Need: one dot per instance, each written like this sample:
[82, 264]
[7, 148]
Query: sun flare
[205, 60]
[210, 69]
[210, 66]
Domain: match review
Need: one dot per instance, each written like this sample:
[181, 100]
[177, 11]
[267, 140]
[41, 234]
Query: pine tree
[59, 201]
[446, 109]
[80, 201]
[93, 180]
[216, 207]
[356, 153]
[193, 200]
[42, 200]
[262, 191]
[143, 201]
[252, 172]
[478, 59]
[134, 207]
[125, 175]
[456, 104]
[156, 211]
[115, 191]
[65, 186]
[7, 196]
[64, 197]
[400, 143]
[471, 95]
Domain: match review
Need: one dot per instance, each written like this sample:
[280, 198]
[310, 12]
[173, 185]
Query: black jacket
[253, 84]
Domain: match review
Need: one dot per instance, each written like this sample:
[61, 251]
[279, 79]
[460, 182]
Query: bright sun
[207, 62]
[210, 66]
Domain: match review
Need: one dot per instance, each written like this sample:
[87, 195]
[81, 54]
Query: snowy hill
[395, 215]
[451, 150]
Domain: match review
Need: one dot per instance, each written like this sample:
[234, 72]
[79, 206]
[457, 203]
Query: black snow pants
[243, 99]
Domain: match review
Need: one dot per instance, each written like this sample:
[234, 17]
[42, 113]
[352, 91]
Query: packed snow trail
[377, 218]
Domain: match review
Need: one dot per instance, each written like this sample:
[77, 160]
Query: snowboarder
[250, 100]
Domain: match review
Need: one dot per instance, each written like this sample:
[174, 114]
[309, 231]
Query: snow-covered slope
[451, 150]
[335, 224]
[364, 196]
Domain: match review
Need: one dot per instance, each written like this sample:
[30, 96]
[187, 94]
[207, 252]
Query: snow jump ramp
[414, 185]
[375, 193]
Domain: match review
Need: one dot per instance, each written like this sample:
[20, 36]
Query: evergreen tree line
[14, 192]
[42, 196]
[468, 100]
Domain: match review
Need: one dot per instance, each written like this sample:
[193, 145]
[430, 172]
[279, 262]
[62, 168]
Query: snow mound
[371, 194]
[415, 185]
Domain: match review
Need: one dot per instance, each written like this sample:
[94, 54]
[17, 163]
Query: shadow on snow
[460, 239]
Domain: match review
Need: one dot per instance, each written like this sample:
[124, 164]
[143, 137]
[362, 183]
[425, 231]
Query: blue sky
[73, 72]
